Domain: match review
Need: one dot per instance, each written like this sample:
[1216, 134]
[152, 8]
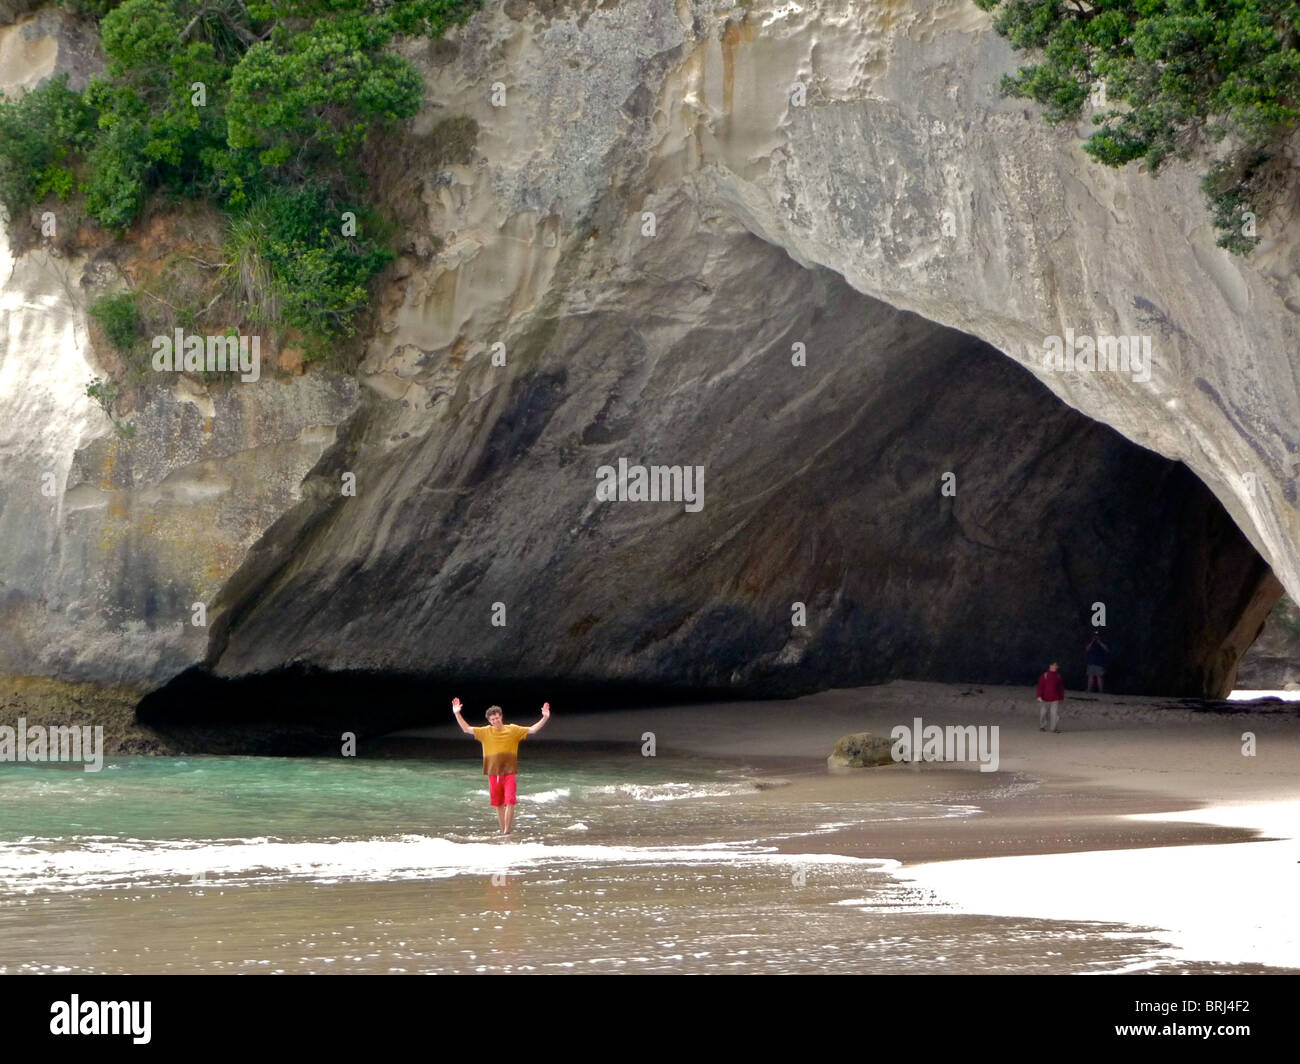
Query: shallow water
[236, 864]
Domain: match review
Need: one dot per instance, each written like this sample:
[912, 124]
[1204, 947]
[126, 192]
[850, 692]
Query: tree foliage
[259, 106]
[119, 317]
[40, 134]
[1181, 77]
[319, 276]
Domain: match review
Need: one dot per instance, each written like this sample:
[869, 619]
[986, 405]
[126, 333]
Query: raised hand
[546, 709]
[455, 705]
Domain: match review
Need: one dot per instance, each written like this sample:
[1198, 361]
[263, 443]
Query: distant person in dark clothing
[1051, 693]
[1097, 652]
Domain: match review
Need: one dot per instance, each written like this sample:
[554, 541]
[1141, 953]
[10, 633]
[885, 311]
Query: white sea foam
[546, 797]
[671, 792]
[644, 792]
[79, 864]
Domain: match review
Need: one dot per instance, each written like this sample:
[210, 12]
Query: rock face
[1273, 661]
[655, 229]
[38, 43]
[822, 497]
[860, 750]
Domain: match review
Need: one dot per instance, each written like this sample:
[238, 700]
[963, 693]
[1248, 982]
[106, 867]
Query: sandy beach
[1141, 811]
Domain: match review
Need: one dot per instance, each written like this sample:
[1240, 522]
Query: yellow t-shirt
[500, 748]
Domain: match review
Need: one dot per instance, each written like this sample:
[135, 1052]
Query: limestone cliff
[672, 197]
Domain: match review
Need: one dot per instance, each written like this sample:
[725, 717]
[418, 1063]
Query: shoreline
[1116, 757]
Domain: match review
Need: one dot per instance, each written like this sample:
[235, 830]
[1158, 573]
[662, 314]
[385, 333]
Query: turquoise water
[159, 821]
[231, 797]
[313, 798]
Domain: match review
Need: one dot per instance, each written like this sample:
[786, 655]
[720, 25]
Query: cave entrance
[923, 502]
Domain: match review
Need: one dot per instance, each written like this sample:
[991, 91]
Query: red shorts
[502, 789]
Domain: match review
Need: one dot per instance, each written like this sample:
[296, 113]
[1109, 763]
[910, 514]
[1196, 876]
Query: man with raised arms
[501, 756]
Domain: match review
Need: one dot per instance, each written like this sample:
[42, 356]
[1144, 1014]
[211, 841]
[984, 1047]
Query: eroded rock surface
[649, 225]
[822, 486]
[1273, 661]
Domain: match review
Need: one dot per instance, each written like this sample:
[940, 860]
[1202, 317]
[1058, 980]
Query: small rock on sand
[860, 750]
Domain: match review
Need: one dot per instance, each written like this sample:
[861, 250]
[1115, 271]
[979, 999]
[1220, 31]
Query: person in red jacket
[1051, 693]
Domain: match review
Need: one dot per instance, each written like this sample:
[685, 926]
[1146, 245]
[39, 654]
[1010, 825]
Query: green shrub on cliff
[160, 117]
[317, 271]
[41, 133]
[1180, 77]
[261, 107]
[322, 91]
[119, 317]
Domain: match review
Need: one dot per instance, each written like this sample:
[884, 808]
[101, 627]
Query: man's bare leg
[501, 818]
[509, 821]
